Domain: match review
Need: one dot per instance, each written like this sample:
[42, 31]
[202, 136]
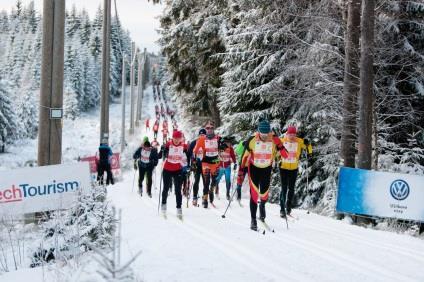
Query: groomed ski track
[206, 247]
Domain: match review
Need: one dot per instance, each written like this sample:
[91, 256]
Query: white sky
[138, 16]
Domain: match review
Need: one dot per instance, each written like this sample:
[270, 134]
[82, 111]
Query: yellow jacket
[295, 150]
[260, 153]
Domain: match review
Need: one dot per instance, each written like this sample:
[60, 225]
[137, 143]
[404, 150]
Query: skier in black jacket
[145, 159]
[196, 167]
[103, 163]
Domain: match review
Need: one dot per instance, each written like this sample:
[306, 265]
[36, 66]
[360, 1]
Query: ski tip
[223, 216]
[263, 232]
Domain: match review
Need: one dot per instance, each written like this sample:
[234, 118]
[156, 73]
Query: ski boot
[195, 202]
[140, 191]
[254, 224]
[228, 195]
[283, 214]
[163, 208]
[262, 213]
[205, 201]
[179, 213]
[211, 195]
[217, 192]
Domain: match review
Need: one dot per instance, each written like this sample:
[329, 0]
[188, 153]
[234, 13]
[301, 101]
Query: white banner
[45, 188]
[381, 194]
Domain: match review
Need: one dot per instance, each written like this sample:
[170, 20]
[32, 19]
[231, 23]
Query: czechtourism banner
[37, 189]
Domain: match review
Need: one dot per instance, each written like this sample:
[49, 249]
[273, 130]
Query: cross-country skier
[261, 149]
[209, 145]
[196, 166]
[103, 164]
[156, 129]
[240, 149]
[226, 157]
[173, 169]
[145, 159]
[289, 167]
[147, 124]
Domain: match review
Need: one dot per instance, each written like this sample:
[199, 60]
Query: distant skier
[208, 144]
[240, 149]
[289, 167]
[104, 160]
[147, 124]
[145, 159]
[196, 166]
[173, 169]
[261, 150]
[157, 110]
[156, 129]
[226, 157]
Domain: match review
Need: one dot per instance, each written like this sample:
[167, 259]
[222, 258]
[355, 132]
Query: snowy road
[206, 247]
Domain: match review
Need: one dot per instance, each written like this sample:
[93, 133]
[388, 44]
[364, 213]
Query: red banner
[115, 163]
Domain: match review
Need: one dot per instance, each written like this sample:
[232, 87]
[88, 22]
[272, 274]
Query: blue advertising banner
[381, 194]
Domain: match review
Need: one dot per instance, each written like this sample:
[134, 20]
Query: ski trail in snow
[235, 251]
[205, 247]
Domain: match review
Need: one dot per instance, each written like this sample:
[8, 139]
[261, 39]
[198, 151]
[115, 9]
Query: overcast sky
[138, 16]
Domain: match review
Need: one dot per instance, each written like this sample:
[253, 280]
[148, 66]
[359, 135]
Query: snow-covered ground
[206, 247]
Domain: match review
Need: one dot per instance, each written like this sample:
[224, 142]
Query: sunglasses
[209, 128]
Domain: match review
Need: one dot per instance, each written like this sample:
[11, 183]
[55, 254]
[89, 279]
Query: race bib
[225, 156]
[291, 148]
[263, 154]
[175, 154]
[211, 147]
[145, 156]
[199, 154]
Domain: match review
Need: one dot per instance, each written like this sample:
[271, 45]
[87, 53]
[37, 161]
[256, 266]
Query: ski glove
[185, 169]
[235, 167]
[306, 141]
[135, 165]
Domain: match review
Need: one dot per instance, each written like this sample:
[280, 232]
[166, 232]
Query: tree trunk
[351, 82]
[366, 86]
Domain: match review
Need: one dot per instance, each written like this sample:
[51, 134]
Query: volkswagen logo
[399, 189]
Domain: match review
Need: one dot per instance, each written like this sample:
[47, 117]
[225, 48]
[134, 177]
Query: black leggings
[197, 175]
[259, 178]
[288, 181]
[168, 178]
[101, 170]
[148, 172]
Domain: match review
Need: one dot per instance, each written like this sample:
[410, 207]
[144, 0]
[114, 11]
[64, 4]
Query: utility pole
[104, 112]
[139, 90]
[51, 92]
[123, 104]
[133, 58]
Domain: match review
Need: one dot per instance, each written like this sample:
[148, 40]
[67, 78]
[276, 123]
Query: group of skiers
[210, 157]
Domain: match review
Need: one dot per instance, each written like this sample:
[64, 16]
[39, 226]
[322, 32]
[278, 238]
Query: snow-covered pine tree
[88, 224]
[191, 36]
[8, 118]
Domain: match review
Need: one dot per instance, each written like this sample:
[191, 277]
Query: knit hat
[202, 131]
[264, 127]
[177, 134]
[145, 139]
[291, 130]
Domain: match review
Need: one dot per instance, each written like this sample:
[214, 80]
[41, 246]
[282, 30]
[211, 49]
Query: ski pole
[160, 189]
[229, 203]
[232, 196]
[307, 173]
[132, 190]
[190, 186]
